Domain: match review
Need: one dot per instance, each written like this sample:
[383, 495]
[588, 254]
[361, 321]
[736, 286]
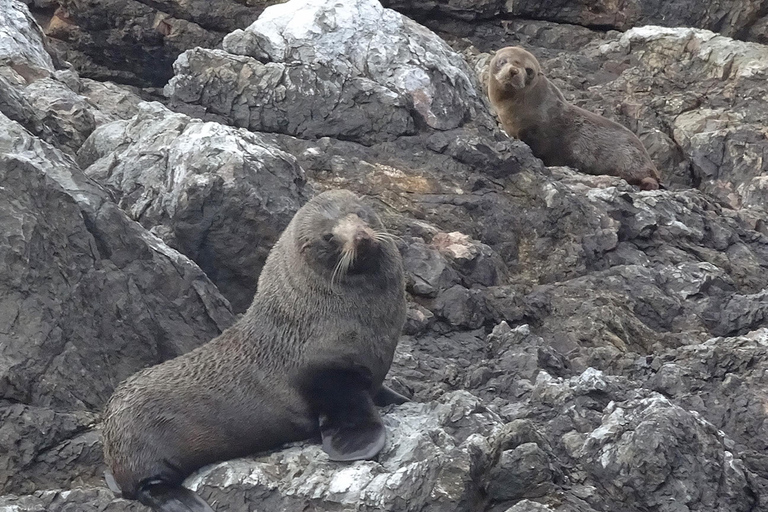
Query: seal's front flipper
[385, 396]
[350, 425]
[355, 432]
[163, 497]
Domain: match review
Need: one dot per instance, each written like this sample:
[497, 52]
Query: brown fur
[241, 393]
[533, 109]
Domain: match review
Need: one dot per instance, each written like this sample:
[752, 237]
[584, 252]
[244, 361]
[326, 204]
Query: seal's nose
[362, 233]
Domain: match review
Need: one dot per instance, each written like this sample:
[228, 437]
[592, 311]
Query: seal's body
[309, 356]
[533, 109]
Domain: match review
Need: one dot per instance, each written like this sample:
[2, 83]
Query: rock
[666, 449]
[22, 45]
[427, 272]
[88, 298]
[734, 18]
[288, 98]
[371, 75]
[572, 343]
[196, 184]
[521, 472]
[136, 42]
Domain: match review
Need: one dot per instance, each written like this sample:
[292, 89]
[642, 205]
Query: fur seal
[309, 356]
[533, 109]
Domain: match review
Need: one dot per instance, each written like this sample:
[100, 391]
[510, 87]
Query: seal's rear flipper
[357, 436]
[163, 497]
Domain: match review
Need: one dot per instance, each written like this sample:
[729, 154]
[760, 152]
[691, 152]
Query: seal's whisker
[335, 273]
[384, 236]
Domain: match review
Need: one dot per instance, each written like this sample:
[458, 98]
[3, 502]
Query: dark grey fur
[533, 109]
[306, 350]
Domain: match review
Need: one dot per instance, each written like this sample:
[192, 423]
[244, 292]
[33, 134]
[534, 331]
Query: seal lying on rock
[533, 109]
[309, 356]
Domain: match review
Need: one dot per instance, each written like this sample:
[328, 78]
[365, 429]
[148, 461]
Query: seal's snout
[354, 234]
[364, 235]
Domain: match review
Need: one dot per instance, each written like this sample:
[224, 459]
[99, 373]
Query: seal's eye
[327, 237]
[362, 213]
[529, 72]
[500, 63]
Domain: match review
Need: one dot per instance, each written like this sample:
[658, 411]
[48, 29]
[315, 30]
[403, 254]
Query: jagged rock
[289, 98]
[195, 185]
[88, 297]
[365, 77]
[521, 472]
[685, 92]
[578, 312]
[41, 445]
[427, 272]
[42, 99]
[21, 41]
[136, 42]
[734, 18]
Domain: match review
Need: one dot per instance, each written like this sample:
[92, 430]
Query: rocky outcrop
[687, 93]
[87, 297]
[742, 19]
[194, 184]
[572, 343]
[135, 42]
[370, 76]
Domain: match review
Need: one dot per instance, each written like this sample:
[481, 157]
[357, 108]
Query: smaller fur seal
[533, 109]
[308, 357]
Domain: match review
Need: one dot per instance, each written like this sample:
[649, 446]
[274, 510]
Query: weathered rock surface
[696, 99]
[136, 42]
[372, 75]
[194, 185]
[88, 297]
[572, 344]
[742, 19]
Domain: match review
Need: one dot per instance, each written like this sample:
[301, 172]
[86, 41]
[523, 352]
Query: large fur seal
[534, 110]
[309, 356]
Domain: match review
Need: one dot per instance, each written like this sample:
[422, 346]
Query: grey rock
[692, 468]
[427, 272]
[522, 472]
[294, 98]
[69, 116]
[22, 44]
[370, 64]
[197, 184]
[136, 42]
[418, 319]
[568, 337]
[88, 298]
[734, 18]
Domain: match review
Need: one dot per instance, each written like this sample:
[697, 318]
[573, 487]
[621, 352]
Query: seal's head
[514, 69]
[648, 183]
[339, 235]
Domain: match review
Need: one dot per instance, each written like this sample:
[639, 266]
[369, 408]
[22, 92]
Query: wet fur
[257, 385]
[560, 133]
